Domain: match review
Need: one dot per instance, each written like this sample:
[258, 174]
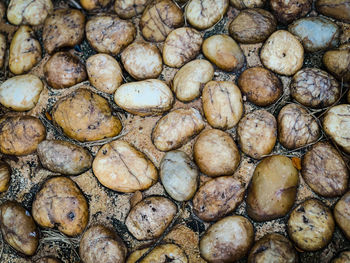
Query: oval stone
[20, 135]
[121, 167]
[316, 33]
[21, 93]
[85, 116]
[64, 157]
[145, 97]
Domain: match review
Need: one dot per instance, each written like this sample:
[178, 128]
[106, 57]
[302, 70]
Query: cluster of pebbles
[206, 109]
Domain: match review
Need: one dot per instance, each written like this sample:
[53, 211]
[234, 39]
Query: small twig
[296, 151]
[278, 103]
[104, 141]
[83, 144]
[177, 4]
[55, 235]
[305, 146]
[326, 109]
[342, 94]
[213, 26]
[125, 80]
[184, 5]
[185, 12]
[50, 236]
[167, 231]
[75, 4]
[289, 154]
[2, 246]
